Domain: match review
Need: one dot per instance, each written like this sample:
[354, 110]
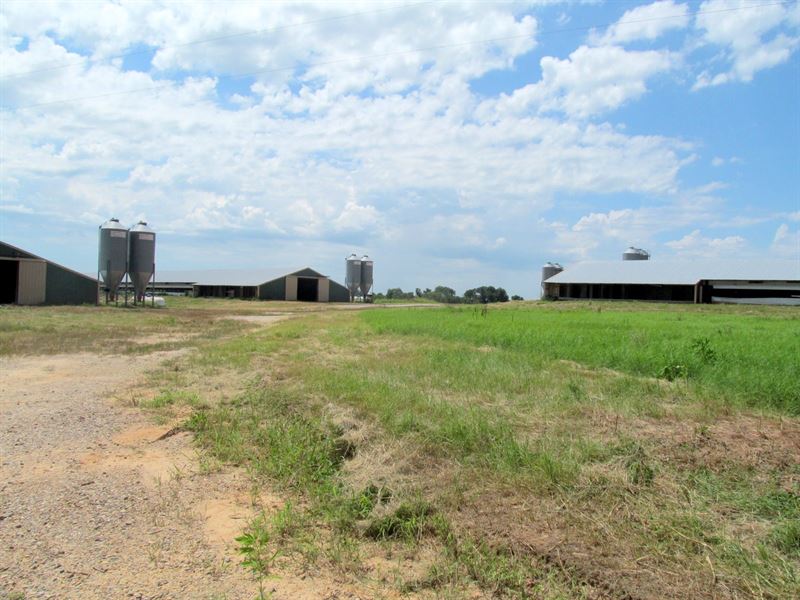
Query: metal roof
[20, 253]
[653, 272]
[227, 277]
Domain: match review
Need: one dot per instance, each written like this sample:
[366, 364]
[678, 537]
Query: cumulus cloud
[694, 244]
[786, 242]
[647, 22]
[603, 234]
[355, 217]
[751, 37]
[355, 125]
[591, 81]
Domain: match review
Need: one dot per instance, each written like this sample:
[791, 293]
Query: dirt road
[94, 505]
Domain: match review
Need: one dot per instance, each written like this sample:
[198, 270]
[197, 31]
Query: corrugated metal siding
[31, 281]
[68, 287]
[273, 290]
[337, 292]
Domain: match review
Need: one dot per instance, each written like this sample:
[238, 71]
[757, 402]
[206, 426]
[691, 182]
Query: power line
[307, 66]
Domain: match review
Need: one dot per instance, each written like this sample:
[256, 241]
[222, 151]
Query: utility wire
[307, 66]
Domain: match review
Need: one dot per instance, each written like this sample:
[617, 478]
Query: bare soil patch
[258, 319]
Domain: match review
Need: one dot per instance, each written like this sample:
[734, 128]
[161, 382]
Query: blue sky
[461, 144]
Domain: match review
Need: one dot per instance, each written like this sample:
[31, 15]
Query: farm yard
[229, 449]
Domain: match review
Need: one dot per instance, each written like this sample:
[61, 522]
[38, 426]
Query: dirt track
[94, 505]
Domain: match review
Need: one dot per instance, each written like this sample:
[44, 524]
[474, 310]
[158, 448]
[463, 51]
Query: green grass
[596, 424]
[748, 360]
[414, 300]
[510, 407]
[282, 441]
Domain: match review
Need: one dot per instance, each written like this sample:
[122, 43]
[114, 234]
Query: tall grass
[741, 359]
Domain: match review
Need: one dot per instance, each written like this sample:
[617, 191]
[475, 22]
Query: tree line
[484, 294]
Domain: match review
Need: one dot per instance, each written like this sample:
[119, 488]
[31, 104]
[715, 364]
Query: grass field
[537, 450]
[749, 359]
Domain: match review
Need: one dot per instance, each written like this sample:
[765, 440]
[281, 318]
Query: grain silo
[366, 276]
[548, 270]
[141, 258]
[112, 260]
[352, 278]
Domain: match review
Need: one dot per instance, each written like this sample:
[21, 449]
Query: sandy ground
[95, 505]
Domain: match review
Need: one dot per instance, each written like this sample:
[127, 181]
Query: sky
[456, 143]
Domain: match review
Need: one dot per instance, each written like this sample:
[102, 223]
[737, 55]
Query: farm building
[698, 281]
[29, 279]
[304, 284]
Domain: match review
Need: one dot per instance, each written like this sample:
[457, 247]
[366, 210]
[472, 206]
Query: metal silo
[366, 275]
[352, 278]
[112, 260]
[141, 257]
[548, 270]
[635, 254]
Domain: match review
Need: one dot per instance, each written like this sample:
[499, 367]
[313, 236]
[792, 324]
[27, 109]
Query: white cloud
[694, 244]
[16, 208]
[394, 148]
[355, 217]
[280, 42]
[647, 22]
[719, 161]
[604, 234]
[786, 243]
[593, 80]
[742, 30]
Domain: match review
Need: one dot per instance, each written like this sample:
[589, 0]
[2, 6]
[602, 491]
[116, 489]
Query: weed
[344, 551]
[363, 503]
[702, 348]
[258, 557]
[672, 371]
[285, 522]
[640, 471]
[786, 537]
[409, 522]
[171, 397]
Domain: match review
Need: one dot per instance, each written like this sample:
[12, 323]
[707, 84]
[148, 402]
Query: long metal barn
[29, 279]
[305, 285]
[698, 281]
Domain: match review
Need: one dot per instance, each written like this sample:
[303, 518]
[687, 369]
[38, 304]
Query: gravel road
[94, 506]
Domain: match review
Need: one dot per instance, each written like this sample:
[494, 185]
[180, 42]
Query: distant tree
[398, 294]
[418, 292]
[486, 294]
[442, 293]
[515, 297]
